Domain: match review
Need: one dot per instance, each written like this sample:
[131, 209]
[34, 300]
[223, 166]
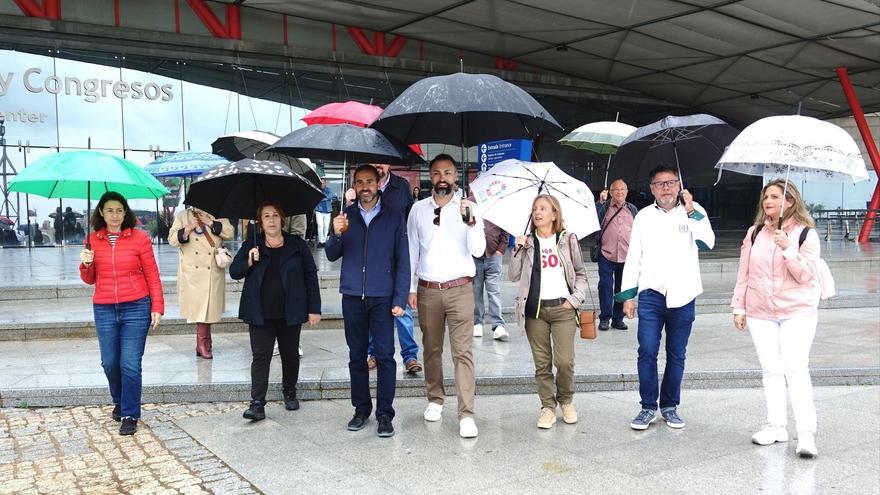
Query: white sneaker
[806, 446]
[500, 333]
[300, 351]
[467, 428]
[433, 412]
[275, 351]
[478, 330]
[770, 434]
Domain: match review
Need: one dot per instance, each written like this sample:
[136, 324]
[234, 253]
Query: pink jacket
[773, 284]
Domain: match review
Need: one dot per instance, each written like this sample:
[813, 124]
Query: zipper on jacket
[364, 258]
[113, 263]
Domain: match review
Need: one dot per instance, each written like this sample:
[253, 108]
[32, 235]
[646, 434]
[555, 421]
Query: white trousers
[323, 221]
[784, 352]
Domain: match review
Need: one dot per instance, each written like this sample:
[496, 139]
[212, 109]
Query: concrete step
[335, 388]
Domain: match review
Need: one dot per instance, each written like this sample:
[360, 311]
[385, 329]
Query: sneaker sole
[503, 338]
[677, 426]
[806, 455]
[254, 418]
[546, 426]
[573, 421]
[386, 434]
[433, 419]
[641, 427]
[353, 428]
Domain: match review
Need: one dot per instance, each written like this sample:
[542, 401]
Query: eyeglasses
[437, 218]
[662, 184]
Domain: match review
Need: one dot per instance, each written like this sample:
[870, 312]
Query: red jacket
[126, 272]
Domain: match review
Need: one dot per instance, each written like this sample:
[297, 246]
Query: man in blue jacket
[371, 239]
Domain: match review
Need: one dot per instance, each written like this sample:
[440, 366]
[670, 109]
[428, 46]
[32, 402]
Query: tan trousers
[456, 307]
[551, 337]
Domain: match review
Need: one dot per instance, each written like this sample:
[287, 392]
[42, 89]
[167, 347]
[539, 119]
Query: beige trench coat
[201, 284]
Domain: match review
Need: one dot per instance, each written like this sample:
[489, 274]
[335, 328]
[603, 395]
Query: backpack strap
[755, 234]
[803, 236]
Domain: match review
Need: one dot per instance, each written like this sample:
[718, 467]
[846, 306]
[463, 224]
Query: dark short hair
[441, 157]
[659, 169]
[368, 168]
[277, 207]
[98, 223]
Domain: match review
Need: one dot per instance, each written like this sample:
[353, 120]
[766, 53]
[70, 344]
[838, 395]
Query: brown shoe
[202, 349]
[413, 366]
[371, 362]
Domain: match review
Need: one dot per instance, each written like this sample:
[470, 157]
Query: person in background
[201, 284]
[488, 276]
[323, 211]
[615, 220]
[662, 269]
[549, 267]
[280, 293]
[416, 193]
[118, 260]
[776, 297]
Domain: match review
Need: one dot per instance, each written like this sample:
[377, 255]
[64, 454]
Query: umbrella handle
[466, 217]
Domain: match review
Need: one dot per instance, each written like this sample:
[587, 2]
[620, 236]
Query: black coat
[299, 277]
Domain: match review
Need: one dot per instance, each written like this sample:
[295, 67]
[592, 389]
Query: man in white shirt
[662, 267]
[441, 248]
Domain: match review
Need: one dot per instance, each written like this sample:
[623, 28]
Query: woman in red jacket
[128, 301]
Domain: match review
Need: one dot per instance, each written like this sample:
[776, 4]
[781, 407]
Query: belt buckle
[440, 285]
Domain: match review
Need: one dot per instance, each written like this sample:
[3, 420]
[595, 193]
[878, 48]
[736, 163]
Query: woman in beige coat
[552, 284]
[201, 284]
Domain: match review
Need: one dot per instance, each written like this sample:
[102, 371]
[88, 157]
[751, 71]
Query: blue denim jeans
[653, 316]
[610, 274]
[364, 318]
[488, 275]
[122, 335]
[409, 348]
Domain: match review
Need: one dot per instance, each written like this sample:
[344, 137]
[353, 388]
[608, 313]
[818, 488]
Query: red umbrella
[6, 220]
[348, 112]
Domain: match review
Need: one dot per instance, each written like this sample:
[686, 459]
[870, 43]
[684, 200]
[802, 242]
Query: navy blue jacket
[299, 277]
[397, 195]
[375, 260]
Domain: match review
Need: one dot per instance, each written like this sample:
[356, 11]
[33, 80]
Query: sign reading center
[497, 151]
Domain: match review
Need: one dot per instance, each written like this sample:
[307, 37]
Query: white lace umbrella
[795, 146]
[506, 191]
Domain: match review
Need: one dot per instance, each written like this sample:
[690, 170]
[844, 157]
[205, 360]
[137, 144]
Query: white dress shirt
[445, 252]
[663, 255]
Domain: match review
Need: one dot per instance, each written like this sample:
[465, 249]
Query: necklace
[270, 244]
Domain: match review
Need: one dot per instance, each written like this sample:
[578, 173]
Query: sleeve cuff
[216, 227]
[739, 311]
[626, 295]
[790, 252]
[696, 215]
[180, 238]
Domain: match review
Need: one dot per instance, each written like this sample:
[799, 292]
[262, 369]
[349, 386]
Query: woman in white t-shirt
[552, 282]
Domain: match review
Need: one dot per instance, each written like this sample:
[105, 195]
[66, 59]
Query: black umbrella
[345, 143]
[694, 143]
[235, 190]
[241, 145]
[464, 110]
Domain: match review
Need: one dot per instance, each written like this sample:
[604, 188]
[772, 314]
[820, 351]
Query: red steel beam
[50, 9]
[873, 154]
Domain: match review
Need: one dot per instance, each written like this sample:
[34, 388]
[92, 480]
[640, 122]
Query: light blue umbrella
[184, 164]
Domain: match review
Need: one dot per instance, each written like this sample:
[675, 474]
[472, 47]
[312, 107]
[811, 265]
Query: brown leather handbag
[586, 318]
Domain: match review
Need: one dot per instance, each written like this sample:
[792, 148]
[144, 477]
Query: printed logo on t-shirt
[683, 228]
[549, 258]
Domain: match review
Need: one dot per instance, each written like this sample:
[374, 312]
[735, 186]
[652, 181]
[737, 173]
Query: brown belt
[550, 303]
[446, 285]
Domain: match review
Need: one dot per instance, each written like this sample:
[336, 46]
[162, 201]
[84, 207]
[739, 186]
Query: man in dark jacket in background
[397, 194]
[371, 239]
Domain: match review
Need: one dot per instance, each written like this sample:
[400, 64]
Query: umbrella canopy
[244, 144]
[344, 143]
[598, 137]
[693, 143]
[184, 164]
[235, 190]
[464, 110]
[85, 174]
[795, 145]
[506, 191]
[6, 220]
[295, 164]
[348, 112]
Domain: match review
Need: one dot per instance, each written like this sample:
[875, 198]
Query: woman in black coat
[280, 294]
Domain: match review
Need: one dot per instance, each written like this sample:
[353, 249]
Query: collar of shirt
[368, 216]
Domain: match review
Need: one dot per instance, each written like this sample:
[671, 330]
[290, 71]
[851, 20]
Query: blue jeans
[409, 349]
[122, 335]
[365, 318]
[653, 316]
[488, 275]
[610, 274]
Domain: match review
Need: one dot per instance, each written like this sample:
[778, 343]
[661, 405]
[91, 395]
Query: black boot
[256, 411]
[129, 426]
[290, 401]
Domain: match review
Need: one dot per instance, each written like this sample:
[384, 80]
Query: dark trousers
[262, 344]
[610, 274]
[366, 317]
[653, 317]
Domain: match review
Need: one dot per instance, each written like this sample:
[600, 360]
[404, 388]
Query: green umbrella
[86, 175]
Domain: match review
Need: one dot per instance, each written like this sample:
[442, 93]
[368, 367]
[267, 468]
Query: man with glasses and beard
[662, 269]
[445, 234]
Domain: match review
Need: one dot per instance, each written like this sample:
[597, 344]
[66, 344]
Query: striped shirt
[113, 236]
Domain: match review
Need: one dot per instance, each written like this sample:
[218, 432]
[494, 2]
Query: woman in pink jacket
[777, 296]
